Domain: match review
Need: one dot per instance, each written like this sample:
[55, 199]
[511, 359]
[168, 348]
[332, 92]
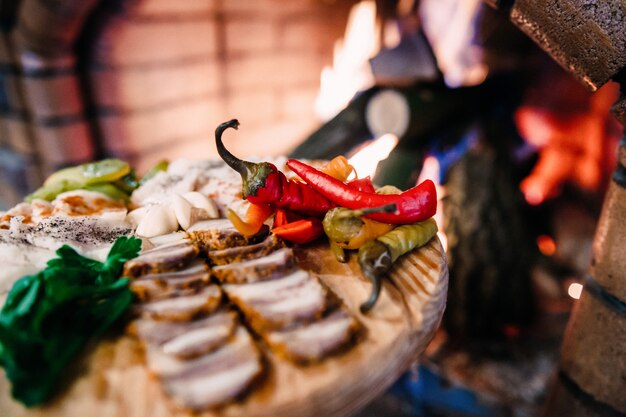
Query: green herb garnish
[49, 317]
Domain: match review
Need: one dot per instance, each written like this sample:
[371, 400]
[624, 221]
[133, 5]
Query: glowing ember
[350, 72]
[575, 138]
[575, 290]
[367, 158]
[546, 245]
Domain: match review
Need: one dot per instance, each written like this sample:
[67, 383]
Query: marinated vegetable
[96, 176]
[414, 205]
[263, 183]
[301, 231]
[347, 229]
[255, 217]
[377, 256]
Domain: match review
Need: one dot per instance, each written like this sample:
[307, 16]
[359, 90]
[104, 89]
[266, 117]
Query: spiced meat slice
[168, 284]
[186, 339]
[213, 379]
[185, 307]
[221, 234]
[260, 269]
[269, 305]
[163, 258]
[311, 342]
[246, 252]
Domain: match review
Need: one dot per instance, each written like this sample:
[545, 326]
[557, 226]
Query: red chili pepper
[284, 216]
[300, 231]
[280, 218]
[362, 184]
[263, 183]
[254, 219]
[414, 205]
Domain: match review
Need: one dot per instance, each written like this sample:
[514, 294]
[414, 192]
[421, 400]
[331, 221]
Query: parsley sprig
[49, 317]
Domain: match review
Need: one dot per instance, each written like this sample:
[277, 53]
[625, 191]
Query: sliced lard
[162, 258]
[185, 307]
[279, 303]
[259, 269]
[187, 338]
[313, 341]
[212, 379]
[246, 252]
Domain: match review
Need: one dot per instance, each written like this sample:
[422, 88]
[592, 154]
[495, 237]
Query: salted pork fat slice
[186, 339]
[313, 341]
[246, 252]
[279, 303]
[220, 234]
[171, 283]
[212, 379]
[184, 307]
[162, 258]
[253, 270]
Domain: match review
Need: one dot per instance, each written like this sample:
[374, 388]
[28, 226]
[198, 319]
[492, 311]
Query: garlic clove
[182, 210]
[201, 201]
[135, 216]
[159, 220]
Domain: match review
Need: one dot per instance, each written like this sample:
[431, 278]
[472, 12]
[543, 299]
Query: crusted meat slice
[313, 341]
[259, 269]
[186, 339]
[221, 234]
[171, 284]
[242, 253]
[279, 303]
[167, 257]
[184, 307]
[211, 379]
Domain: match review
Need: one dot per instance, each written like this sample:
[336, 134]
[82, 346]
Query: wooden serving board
[114, 382]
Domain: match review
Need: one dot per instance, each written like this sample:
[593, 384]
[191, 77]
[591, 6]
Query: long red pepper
[301, 231]
[263, 183]
[414, 205]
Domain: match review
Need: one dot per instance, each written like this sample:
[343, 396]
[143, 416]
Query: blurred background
[444, 89]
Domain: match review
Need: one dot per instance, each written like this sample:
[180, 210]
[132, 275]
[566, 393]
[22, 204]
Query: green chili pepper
[343, 225]
[377, 257]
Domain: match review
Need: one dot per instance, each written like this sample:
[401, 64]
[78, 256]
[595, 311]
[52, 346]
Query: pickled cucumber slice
[109, 190]
[50, 191]
[106, 170]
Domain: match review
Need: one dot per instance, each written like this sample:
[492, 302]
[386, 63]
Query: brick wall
[164, 74]
[150, 79]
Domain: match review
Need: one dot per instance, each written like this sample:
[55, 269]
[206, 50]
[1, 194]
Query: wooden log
[411, 113]
[115, 380]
